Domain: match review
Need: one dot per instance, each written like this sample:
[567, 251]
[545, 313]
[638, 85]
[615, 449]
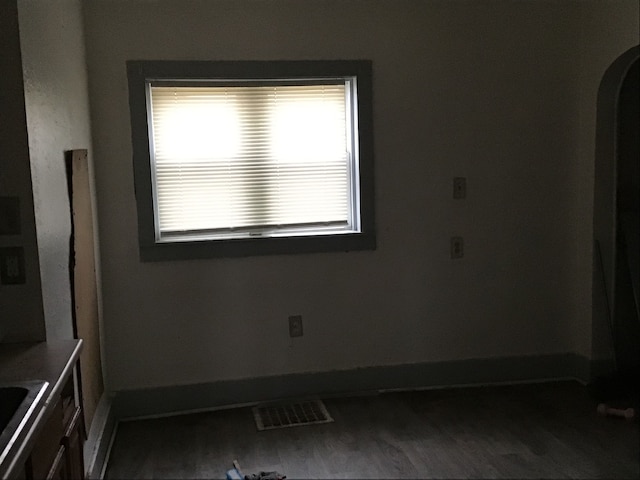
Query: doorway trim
[605, 183]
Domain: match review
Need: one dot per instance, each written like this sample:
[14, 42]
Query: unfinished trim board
[297, 414]
[83, 281]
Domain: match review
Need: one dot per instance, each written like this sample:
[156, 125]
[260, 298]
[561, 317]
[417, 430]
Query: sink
[10, 400]
[17, 403]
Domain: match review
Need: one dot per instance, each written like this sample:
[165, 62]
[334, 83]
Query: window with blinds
[241, 159]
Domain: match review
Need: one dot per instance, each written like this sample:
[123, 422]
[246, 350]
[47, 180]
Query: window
[249, 158]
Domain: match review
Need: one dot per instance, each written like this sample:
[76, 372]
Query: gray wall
[57, 107]
[21, 313]
[491, 90]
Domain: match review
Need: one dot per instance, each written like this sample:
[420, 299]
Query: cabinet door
[72, 441]
[22, 474]
[46, 448]
[58, 469]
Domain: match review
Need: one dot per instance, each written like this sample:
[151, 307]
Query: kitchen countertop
[52, 362]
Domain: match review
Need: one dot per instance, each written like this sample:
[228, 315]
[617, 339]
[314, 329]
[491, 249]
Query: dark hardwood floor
[548, 430]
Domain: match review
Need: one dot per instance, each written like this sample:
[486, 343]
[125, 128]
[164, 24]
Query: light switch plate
[295, 326]
[459, 187]
[12, 266]
[457, 247]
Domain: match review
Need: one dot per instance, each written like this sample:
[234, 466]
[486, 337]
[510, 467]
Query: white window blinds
[246, 160]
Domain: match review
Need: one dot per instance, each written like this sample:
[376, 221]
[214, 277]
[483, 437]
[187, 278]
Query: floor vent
[291, 415]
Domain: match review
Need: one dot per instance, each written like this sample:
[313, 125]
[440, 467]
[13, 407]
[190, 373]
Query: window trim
[140, 72]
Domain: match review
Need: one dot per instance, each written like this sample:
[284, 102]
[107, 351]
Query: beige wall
[21, 313]
[484, 89]
[57, 120]
[57, 107]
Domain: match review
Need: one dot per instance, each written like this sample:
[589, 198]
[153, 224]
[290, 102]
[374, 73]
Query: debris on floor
[265, 476]
[236, 474]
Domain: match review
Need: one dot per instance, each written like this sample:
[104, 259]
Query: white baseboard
[99, 439]
[161, 401]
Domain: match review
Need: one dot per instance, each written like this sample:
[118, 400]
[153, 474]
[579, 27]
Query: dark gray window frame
[139, 72]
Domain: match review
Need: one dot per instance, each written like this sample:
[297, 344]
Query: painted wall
[21, 312]
[482, 89]
[57, 107]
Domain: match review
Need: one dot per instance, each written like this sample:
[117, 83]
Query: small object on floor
[235, 473]
[265, 476]
[627, 413]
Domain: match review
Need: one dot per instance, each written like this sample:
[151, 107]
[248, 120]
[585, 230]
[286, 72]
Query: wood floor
[548, 430]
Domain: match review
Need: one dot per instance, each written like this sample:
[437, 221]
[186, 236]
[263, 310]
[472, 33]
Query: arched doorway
[616, 313]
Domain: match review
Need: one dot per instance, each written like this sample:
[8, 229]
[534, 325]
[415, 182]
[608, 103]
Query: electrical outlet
[457, 247]
[459, 187]
[295, 326]
[12, 265]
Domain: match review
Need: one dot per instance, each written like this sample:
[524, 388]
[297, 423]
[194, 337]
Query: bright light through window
[265, 160]
[205, 131]
[236, 158]
[308, 131]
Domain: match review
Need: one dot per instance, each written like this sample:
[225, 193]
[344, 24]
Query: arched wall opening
[615, 326]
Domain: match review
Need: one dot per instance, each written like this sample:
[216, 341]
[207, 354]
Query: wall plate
[12, 266]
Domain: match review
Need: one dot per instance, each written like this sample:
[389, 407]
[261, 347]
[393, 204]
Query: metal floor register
[291, 415]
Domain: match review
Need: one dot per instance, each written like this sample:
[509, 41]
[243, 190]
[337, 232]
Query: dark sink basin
[10, 400]
[17, 402]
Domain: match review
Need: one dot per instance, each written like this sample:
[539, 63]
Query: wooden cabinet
[57, 452]
[58, 467]
[72, 442]
[46, 447]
